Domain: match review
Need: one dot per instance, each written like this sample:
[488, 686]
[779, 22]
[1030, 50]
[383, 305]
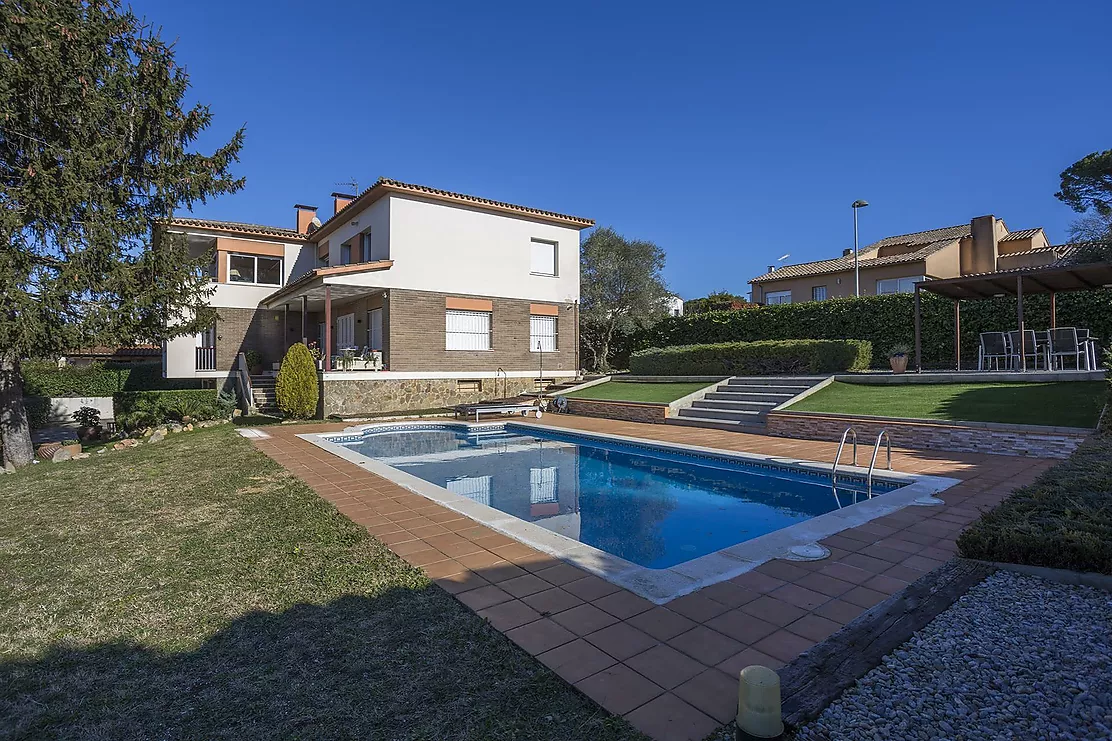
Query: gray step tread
[720, 404]
[717, 424]
[756, 388]
[732, 414]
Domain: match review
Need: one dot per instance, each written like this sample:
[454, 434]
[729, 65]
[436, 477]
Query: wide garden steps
[742, 403]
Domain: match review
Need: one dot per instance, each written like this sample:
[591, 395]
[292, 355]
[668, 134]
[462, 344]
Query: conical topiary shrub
[297, 387]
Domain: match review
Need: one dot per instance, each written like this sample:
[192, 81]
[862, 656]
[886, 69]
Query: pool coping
[659, 586]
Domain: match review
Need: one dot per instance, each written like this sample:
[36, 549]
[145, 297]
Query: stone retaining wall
[368, 396]
[961, 437]
[625, 411]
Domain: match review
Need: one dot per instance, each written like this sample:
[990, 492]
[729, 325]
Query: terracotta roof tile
[1024, 234]
[238, 226]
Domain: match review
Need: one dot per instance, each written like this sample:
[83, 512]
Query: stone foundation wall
[369, 396]
[651, 413]
[964, 437]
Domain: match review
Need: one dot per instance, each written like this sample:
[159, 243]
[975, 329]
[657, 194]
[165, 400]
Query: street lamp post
[856, 268]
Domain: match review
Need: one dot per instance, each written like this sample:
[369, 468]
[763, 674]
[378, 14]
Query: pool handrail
[834, 469]
[872, 464]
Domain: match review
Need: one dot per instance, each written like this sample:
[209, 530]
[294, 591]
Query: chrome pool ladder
[838, 458]
[851, 434]
[876, 449]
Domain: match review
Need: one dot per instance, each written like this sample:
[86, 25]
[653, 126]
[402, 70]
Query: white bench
[478, 409]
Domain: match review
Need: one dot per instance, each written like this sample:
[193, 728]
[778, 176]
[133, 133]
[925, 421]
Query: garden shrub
[134, 409]
[297, 387]
[45, 378]
[885, 321]
[784, 357]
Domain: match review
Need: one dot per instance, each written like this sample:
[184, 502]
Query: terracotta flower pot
[899, 363]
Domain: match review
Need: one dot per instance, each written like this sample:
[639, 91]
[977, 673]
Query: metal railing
[872, 464]
[205, 358]
[243, 385]
[838, 458]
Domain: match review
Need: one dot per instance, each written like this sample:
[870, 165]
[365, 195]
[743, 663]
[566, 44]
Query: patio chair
[1030, 349]
[994, 347]
[1064, 343]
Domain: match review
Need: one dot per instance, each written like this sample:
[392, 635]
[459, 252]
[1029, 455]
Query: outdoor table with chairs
[1056, 348]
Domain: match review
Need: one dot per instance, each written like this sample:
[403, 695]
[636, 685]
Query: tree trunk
[15, 432]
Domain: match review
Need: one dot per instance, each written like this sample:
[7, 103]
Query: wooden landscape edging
[820, 674]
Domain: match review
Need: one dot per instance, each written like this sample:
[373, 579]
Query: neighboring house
[455, 297]
[896, 264]
[674, 305]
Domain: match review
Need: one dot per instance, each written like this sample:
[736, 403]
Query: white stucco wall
[453, 249]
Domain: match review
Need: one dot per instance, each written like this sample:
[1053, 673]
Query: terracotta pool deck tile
[509, 615]
[623, 604]
[729, 594]
[864, 597]
[758, 582]
[621, 640]
[552, 601]
[483, 597]
[540, 636]
[479, 560]
[584, 619]
[455, 550]
[524, 585]
[746, 657]
[825, 584]
[576, 660]
[408, 547]
[618, 688]
[866, 563]
[443, 568]
[495, 539]
[705, 645]
[801, 597]
[562, 574]
[846, 544]
[713, 692]
[814, 627]
[782, 570]
[899, 544]
[921, 563]
[589, 587]
[461, 581]
[742, 627]
[697, 607]
[398, 537]
[426, 557]
[661, 623]
[427, 530]
[512, 552]
[774, 611]
[783, 645]
[669, 717]
[903, 573]
[500, 571]
[664, 665]
[885, 584]
[914, 537]
[536, 562]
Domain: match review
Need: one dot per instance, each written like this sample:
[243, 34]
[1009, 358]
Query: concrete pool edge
[659, 586]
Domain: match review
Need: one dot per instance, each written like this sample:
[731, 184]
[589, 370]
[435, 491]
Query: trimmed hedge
[135, 409]
[885, 321]
[783, 357]
[45, 378]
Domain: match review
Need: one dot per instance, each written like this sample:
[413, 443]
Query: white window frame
[550, 342]
[777, 298]
[345, 330]
[533, 244]
[255, 259]
[459, 340]
[475, 488]
[814, 292]
[902, 285]
[543, 485]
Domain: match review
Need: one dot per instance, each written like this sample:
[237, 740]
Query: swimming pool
[650, 511]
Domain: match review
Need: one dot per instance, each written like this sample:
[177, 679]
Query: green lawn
[194, 589]
[1068, 404]
[664, 393]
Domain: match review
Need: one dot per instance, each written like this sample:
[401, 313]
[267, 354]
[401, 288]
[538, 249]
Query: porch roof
[311, 285]
[1057, 278]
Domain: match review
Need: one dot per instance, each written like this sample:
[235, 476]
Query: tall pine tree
[94, 151]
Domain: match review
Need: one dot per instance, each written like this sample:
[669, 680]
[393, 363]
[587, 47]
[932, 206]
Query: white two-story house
[453, 297]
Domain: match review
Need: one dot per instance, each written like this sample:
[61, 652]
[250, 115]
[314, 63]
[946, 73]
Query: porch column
[304, 319]
[918, 338]
[327, 328]
[285, 327]
[1019, 317]
[1053, 310]
[957, 332]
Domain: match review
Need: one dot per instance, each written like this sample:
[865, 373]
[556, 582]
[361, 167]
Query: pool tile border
[659, 586]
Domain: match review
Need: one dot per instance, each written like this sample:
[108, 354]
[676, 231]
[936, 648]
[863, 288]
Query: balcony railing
[206, 358]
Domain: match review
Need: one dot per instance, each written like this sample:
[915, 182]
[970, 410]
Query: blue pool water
[648, 505]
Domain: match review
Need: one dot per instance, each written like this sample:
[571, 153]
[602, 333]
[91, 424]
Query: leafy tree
[717, 301]
[297, 388]
[622, 291]
[93, 151]
[1087, 184]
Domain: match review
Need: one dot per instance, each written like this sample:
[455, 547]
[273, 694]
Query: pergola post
[286, 325]
[304, 319]
[957, 334]
[1019, 316]
[327, 328]
[1053, 310]
[918, 337]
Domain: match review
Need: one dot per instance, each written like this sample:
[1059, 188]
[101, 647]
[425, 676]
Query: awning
[1046, 279]
[311, 285]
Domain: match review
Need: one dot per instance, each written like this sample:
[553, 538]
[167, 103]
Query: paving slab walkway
[670, 670]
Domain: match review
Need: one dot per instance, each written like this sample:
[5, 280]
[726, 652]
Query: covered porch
[339, 315]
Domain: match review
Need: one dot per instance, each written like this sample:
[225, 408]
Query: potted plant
[254, 362]
[73, 446]
[88, 422]
[347, 358]
[897, 357]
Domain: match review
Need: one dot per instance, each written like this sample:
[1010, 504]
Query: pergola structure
[1052, 279]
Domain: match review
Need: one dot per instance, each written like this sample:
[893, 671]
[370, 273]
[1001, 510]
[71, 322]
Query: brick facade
[269, 332]
[959, 437]
[651, 413]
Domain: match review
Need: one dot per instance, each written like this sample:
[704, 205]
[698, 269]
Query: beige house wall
[801, 287]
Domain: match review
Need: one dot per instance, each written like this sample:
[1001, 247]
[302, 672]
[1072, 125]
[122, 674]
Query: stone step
[775, 398]
[717, 424]
[738, 415]
[804, 381]
[761, 407]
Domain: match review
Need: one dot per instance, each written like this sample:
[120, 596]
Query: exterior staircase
[263, 394]
[742, 402]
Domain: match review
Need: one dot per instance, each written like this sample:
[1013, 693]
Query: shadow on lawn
[357, 668]
[1020, 404]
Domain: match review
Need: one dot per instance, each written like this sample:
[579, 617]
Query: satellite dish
[314, 224]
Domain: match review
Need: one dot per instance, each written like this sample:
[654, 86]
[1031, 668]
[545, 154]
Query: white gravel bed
[1017, 657]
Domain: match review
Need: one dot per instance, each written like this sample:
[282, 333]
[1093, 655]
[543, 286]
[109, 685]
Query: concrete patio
[670, 670]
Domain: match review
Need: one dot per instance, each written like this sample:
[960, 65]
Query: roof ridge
[247, 225]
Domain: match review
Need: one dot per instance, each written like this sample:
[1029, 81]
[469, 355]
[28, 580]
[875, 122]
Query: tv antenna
[350, 185]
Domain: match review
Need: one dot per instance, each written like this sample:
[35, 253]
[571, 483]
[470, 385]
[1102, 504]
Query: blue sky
[728, 133]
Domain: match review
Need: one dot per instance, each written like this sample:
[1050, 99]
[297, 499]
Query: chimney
[985, 248]
[339, 200]
[305, 216]
[772, 268]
